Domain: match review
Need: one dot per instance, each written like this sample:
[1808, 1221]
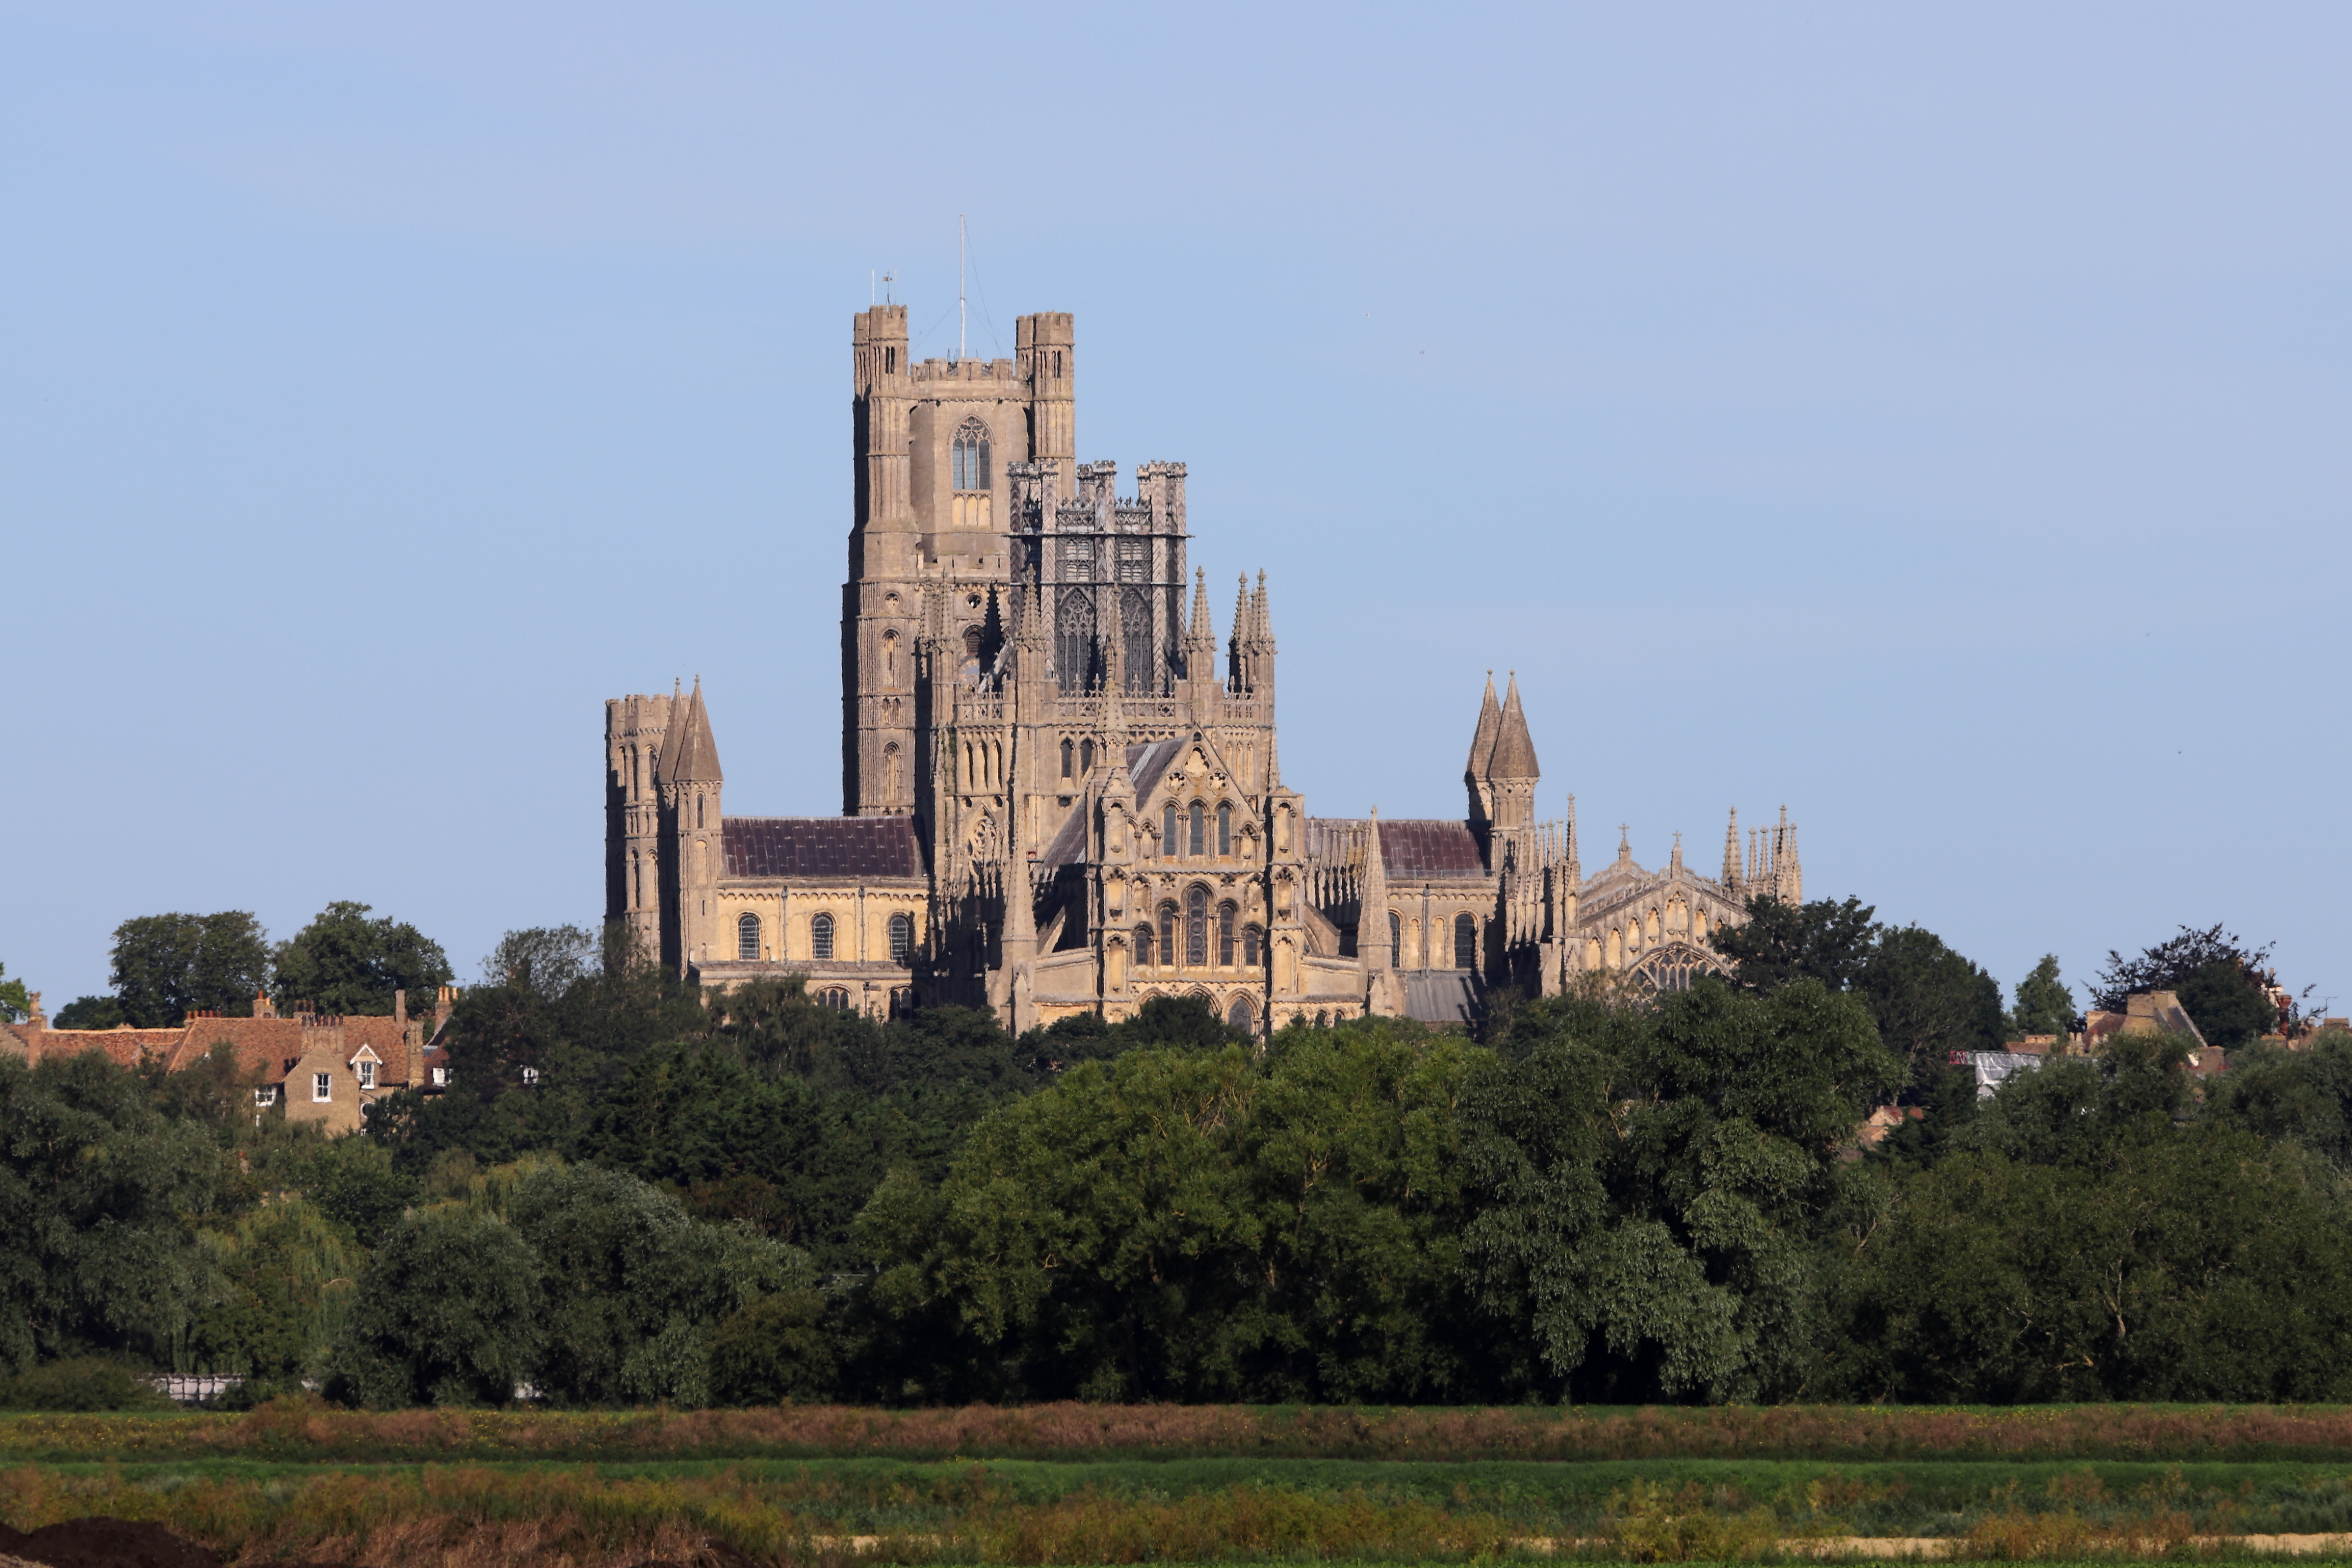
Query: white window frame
[366, 1071]
[322, 1089]
[267, 1095]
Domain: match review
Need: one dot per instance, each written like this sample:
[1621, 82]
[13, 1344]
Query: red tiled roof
[125, 1047]
[821, 847]
[1423, 849]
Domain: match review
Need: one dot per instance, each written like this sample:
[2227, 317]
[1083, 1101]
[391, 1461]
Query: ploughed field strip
[1013, 1510]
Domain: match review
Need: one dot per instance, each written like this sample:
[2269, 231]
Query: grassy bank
[1086, 1432]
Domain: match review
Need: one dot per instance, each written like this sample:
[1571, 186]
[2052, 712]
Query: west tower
[935, 446]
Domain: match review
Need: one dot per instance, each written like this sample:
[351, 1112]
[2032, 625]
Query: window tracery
[821, 936]
[970, 455]
[746, 937]
[1196, 927]
[902, 938]
[1225, 918]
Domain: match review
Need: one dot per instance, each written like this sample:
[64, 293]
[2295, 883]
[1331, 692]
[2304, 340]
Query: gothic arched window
[1066, 759]
[1086, 756]
[1073, 643]
[1167, 934]
[972, 455]
[902, 938]
[1252, 947]
[1200, 829]
[1168, 832]
[746, 937]
[1466, 943]
[1196, 927]
[1240, 1016]
[1225, 913]
[1396, 942]
[1134, 633]
[1144, 947]
[821, 937]
[1225, 830]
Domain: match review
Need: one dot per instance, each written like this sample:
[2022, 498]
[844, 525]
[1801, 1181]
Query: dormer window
[970, 455]
[367, 1073]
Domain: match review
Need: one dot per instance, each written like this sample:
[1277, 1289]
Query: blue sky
[1932, 418]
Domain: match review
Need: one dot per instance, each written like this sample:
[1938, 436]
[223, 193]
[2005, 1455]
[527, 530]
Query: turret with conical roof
[1511, 769]
[1482, 751]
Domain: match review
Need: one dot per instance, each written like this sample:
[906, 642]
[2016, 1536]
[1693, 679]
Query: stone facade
[1061, 786]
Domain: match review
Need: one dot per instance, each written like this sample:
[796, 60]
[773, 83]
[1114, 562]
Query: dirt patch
[105, 1544]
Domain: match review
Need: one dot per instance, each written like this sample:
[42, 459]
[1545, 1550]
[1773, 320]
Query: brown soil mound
[105, 1544]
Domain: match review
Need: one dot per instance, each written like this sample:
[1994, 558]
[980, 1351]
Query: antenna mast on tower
[961, 319]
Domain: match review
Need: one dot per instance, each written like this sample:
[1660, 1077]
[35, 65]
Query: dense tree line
[744, 1196]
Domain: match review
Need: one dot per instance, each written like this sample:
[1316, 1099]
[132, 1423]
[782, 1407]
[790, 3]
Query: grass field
[454, 1489]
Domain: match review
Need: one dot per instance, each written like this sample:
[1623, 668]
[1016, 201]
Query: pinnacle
[1482, 740]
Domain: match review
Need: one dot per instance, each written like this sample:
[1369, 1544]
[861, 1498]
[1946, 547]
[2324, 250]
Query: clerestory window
[1396, 942]
[902, 938]
[970, 455]
[821, 937]
[746, 937]
[1466, 943]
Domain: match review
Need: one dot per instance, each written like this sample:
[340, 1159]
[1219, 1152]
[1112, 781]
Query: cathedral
[1060, 786]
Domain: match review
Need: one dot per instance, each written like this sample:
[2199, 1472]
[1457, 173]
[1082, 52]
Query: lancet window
[1466, 943]
[746, 937]
[821, 937]
[1225, 919]
[902, 938]
[1196, 927]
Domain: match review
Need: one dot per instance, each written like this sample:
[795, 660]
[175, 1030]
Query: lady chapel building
[1060, 785]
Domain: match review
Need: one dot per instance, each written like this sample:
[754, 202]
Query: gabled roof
[821, 847]
[1146, 760]
[1423, 849]
[1069, 844]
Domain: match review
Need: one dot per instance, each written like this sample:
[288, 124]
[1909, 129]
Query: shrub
[84, 1383]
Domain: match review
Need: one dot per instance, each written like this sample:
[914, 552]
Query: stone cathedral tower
[939, 448]
[1061, 792]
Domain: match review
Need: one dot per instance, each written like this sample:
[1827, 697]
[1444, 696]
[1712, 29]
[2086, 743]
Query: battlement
[965, 372]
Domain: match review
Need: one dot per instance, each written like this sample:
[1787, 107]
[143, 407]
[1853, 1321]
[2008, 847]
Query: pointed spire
[1203, 631]
[1263, 616]
[1515, 753]
[1482, 740]
[1243, 627]
[694, 759]
[1731, 852]
[1575, 867]
[1372, 906]
[1675, 863]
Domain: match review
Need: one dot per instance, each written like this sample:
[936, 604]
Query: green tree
[774, 1349]
[89, 1013]
[166, 966]
[2045, 1005]
[634, 1287]
[2196, 1265]
[16, 1002]
[2300, 1097]
[2219, 982]
[346, 962]
[292, 1272]
[1779, 942]
[97, 1191]
[448, 1312]
[1929, 1001]
[1182, 1223]
[1652, 1183]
